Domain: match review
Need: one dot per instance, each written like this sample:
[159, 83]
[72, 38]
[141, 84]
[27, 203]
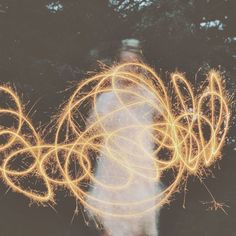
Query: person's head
[130, 50]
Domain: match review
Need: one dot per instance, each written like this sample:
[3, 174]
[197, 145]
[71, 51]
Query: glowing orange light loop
[180, 128]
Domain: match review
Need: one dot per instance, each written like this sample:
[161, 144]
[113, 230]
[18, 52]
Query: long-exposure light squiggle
[190, 129]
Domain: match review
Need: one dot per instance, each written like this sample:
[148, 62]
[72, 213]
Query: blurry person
[125, 168]
[130, 51]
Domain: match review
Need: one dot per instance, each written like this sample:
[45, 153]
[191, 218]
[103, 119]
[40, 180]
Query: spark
[192, 126]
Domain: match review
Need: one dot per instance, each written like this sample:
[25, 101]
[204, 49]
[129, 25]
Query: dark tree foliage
[40, 37]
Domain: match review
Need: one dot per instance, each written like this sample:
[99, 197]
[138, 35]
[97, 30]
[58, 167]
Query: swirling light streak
[181, 128]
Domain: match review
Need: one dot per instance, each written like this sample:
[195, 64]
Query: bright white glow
[55, 6]
[127, 4]
[212, 24]
[230, 40]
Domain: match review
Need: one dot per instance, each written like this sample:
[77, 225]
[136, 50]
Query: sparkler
[191, 128]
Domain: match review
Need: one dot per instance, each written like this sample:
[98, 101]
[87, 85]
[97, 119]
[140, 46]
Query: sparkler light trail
[189, 134]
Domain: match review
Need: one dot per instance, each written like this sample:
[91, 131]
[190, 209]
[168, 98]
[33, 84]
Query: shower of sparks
[190, 129]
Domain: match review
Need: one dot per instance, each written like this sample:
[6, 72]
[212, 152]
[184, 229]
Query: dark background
[46, 45]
